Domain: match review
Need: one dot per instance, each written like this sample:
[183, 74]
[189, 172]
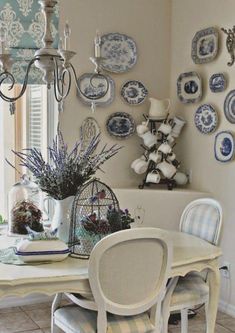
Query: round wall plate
[134, 92]
[206, 119]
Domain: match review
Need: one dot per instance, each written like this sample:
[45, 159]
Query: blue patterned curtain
[23, 22]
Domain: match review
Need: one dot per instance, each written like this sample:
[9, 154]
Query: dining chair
[128, 273]
[201, 218]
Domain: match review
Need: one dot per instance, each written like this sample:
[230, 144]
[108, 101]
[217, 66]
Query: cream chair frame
[138, 299]
[204, 201]
[184, 307]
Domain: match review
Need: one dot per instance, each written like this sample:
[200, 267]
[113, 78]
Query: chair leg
[54, 307]
[184, 321]
[166, 303]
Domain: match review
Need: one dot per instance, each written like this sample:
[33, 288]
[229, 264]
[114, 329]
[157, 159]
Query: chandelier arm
[59, 91]
[9, 76]
[95, 75]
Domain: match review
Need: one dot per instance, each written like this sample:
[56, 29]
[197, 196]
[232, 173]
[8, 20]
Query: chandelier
[54, 63]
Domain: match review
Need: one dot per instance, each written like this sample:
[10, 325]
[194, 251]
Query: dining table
[190, 253]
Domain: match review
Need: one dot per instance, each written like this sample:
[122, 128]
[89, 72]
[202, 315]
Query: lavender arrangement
[67, 170]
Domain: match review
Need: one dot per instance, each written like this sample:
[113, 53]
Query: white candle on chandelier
[67, 33]
[60, 44]
[2, 41]
[97, 44]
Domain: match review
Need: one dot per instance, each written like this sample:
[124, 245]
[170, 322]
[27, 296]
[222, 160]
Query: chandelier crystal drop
[54, 63]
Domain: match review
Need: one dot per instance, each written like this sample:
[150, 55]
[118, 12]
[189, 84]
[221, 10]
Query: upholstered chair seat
[81, 320]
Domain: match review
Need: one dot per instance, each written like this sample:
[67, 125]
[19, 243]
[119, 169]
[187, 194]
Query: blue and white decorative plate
[206, 119]
[224, 146]
[189, 87]
[96, 89]
[119, 51]
[121, 125]
[217, 82]
[205, 45]
[229, 107]
[134, 92]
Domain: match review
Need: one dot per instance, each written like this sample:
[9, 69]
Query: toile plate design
[134, 92]
[120, 125]
[205, 45]
[224, 146]
[217, 82]
[119, 52]
[93, 88]
[206, 119]
[189, 87]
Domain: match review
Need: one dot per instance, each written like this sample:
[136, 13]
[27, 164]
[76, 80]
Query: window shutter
[35, 117]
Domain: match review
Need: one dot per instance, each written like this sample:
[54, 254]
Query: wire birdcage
[92, 208]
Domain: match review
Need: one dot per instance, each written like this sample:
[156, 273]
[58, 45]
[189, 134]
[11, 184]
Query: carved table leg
[214, 289]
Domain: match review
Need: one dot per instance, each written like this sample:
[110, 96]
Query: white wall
[196, 149]
[148, 22]
[156, 208]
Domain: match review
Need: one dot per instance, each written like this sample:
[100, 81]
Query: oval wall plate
[120, 125]
[217, 82]
[224, 146]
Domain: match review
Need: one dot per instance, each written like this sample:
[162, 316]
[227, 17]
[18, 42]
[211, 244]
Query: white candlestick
[97, 44]
[2, 47]
[60, 44]
[2, 41]
[67, 33]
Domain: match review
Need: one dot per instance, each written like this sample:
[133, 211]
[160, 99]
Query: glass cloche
[24, 207]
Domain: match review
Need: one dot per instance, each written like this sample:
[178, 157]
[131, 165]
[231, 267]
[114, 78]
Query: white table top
[187, 249]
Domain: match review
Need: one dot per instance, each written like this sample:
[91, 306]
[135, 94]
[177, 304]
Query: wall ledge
[161, 190]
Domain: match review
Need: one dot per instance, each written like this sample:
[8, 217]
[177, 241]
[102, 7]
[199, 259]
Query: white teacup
[155, 157]
[178, 125]
[153, 177]
[171, 157]
[149, 139]
[170, 139]
[142, 128]
[141, 167]
[180, 178]
[165, 129]
[165, 148]
[168, 170]
[133, 164]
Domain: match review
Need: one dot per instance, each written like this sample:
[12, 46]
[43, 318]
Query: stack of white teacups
[140, 165]
[178, 124]
[148, 137]
[163, 156]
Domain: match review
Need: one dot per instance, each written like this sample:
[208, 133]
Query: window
[32, 126]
